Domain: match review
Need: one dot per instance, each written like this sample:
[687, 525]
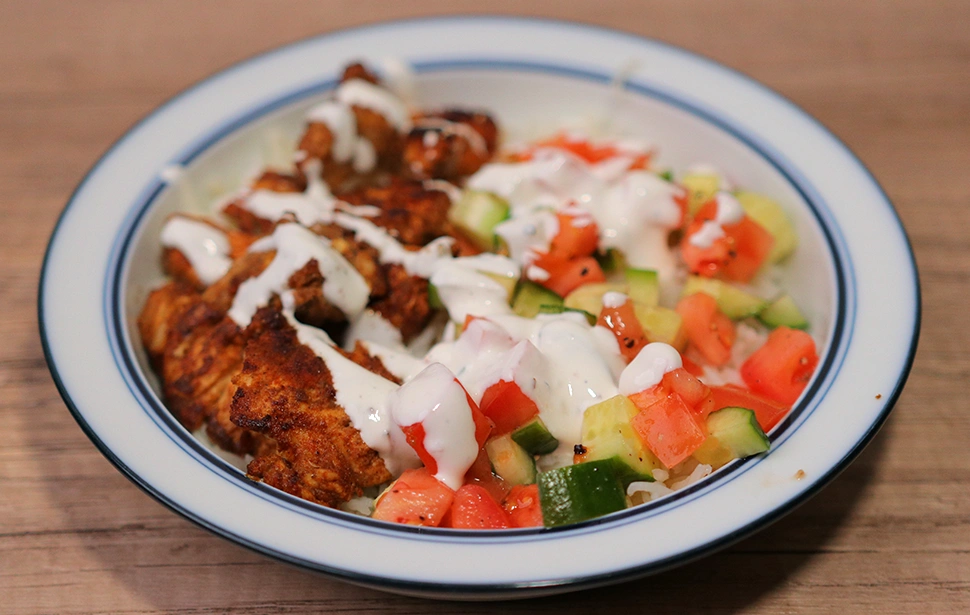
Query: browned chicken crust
[434, 149]
[286, 392]
[406, 304]
[411, 213]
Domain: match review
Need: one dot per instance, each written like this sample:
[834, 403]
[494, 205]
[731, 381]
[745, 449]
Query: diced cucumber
[610, 261]
[701, 188]
[580, 492]
[535, 438]
[734, 302]
[644, 286]
[607, 434]
[662, 325]
[769, 214]
[733, 433]
[783, 312]
[529, 296]
[589, 297]
[477, 213]
[562, 309]
[510, 461]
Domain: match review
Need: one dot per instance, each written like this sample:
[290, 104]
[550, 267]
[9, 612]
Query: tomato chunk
[670, 429]
[415, 498]
[782, 367]
[737, 255]
[481, 474]
[522, 506]
[507, 406]
[587, 150]
[474, 508]
[690, 389]
[767, 411]
[622, 321]
[566, 275]
[578, 236]
[415, 433]
[708, 330]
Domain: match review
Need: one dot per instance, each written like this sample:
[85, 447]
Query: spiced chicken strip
[286, 392]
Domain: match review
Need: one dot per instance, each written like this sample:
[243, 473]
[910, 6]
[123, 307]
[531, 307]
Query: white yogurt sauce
[338, 116]
[562, 363]
[648, 368]
[360, 93]
[295, 246]
[436, 400]
[634, 209]
[475, 140]
[528, 234]
[466, 291]
[204, 246]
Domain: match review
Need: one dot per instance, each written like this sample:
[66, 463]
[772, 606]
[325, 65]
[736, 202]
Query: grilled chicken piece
[286, 392]
[449, 145]
[249, 222]
[406, 304]
[411, 213]
[161, 311]
[317, 140]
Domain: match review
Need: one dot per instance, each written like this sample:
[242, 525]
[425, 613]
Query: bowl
[854, 275]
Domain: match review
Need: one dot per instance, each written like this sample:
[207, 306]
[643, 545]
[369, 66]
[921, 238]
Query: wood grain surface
[890, 535]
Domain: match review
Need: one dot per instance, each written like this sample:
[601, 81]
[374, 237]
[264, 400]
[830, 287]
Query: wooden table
[890, 535]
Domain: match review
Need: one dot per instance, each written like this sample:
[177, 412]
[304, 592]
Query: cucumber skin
[579, 492]
[783, 312]
[535, 438]
[733, 433]
[529, 297]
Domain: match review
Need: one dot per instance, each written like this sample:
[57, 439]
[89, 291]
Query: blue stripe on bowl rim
[845, 314]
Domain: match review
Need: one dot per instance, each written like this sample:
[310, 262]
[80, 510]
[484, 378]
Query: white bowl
[854, 274]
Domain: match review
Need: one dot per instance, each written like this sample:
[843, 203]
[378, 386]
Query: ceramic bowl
[853, 274]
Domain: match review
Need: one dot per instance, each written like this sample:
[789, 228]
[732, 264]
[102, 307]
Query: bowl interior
[528, 101]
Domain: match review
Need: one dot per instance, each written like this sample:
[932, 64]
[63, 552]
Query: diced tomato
[415, 433]
[578, 236]
[474, 508]
[690, 389]
[622, 321]
[738, 255]
[708, 330]
[522, 506]
[567, 275]
[693, 368]
[648, 397]
[670, 429]
[507, 406]
[416, 498]
[767, 411]
[481, 474]
[752, 244]
[783, 366]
